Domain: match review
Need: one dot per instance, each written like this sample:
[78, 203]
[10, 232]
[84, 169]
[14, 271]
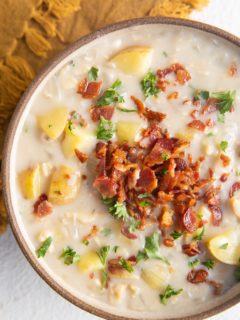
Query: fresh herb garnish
[163, 172]
[209, 263]
[224, 246]
[71, 126]
[126, 110]
[143, 195]
[104, 278]
[86, 242]
[148, 84]
[126, 265]
[115, 249]
[103, 253]
[106, 232]
[133, 224]
[119, 211]
[144, 204]
[223, 145]
[194, 263]
[237, 273]
[70, 256]
[200, 234]
[111, 95]
[165, 156]
[201, 94]
[225, 100]
[168, 293]
[221, 118]
[105, 129]
[41, 251]
[176, 234]
[93, 74]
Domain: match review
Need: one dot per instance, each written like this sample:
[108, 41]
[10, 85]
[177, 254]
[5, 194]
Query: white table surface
[23, 294]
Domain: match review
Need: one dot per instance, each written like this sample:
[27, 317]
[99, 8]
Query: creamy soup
[126, 172]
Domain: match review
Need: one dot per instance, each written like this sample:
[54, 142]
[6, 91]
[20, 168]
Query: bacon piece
[82, 157]
[106, 186]
[147, 180]
[190, 221]
[210, 123]
[194, 114]
[233, 70]
[235, 187]
[164, 197]
[93, 232]
[105, 112]
[224, 177]
[115, 268]
[154, 115]
[150, 136]
[166, 218]
[168, 242]
[89, 90]
[42, 207]
[210, 106]
[197, 276]
[125, 231]
[101, 149]
[225, 160]
[161, 151]
[197, 124]
[181, 164]
[192, 249]
[173, 95]
[182, 75]
[217, 287]
[211, 197]
[139, 104]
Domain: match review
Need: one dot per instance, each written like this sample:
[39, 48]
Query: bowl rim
[9, 138]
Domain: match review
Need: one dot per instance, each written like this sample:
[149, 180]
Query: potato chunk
[133, 60]
[156, 277]
[30, 182]
[53, 122]
[77, 138]
[127, 131]
[235, 204]
[64, 185]
[89, 262]
[226, 246]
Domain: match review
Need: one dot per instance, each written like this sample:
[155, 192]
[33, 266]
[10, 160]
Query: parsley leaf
[126, 265]
[71, 126]
[104, 278]
[93, 74]
[144, 204]
[86, 242]
[224, 246]
[209, 263]
[143, 195]
[70, 256]
[119, 211]
[133, 224]
[176, 234]
[168, 293]
[111, 95]
[201, 94]
[148, 84]
[106, 232]
[200, 234]
[225, 100]
[103, 253]
[194, 263]
[237, 273]
[41, 251]
[223, 145]
[221, 118]
[105, 129]
[165, 156]
[115, 248]
[126, 110]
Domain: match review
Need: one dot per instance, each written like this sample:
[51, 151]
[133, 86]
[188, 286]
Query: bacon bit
[189, 220]
[168, 242]
[234, 188]
[197, 276]
[233, 70]
[181, 164]
[210, 123]
[225, 160]
[115, 268]
[101, 149]
[82, 157]
[84, 177]
[192, 249]
[105, 112]
[154, 115]
[147, 180]
[194, 113]
[210, 106]
[182, 75]
[42, 207]
[211, 197]
[224, 177]
[106, 186]
[162, 146]
[125, 231]
[139, 104]
[187, 102]
[211, 173]
[91, 275]
[89, 90]
[217, 287]
[172, 96]
[93, 232]
[163, 197]
[197, 124]
[166, 218]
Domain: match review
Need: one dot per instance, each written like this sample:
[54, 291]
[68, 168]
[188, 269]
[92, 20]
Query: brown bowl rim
[9, 138]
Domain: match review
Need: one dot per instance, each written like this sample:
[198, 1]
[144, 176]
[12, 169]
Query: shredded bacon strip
[105, 112]
[89, 90]
[197, 276]
[197, 124]
[234, 188]
[82, 157]
[225, 160]
[42, 207]
[211, 197]
[93, 232]
[192, 249]
[147, 113]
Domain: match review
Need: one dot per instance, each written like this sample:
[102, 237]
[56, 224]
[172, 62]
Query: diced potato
[208, 147]
[133, 60]
[77, 138]
[127, 131]
[89, 262]
[53, 122]
[186, 135]
[30, 182]
[235, 204]
[64, 185]
[226, 246]
[156, 277]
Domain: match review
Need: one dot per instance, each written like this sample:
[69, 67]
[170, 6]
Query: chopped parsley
[104, 278]
[119, 211]
[149, 83]
[168, 293]
[143, 195]
[103, 253]
[201, 94]
[144, 204]
[194, 263]
[163, 172]
[86, 242]
[41, 251]
[71, 126]
[176, 234]
[105, 129]
[237, 273]
[126, 265]
[165, 156]
[221, 118]
[106, 232]
[70, 256]
[133, 224]
[224, 246]
[225, 100]
[115, 249]
[200, 234]
[126, 110]
[209, 263]
[111, 95]
[93, 74]
[223, 145]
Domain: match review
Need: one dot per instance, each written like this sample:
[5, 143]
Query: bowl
[233, 295]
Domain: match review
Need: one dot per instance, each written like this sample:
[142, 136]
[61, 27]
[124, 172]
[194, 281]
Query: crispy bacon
[93, 232]
[147, 180]
[42, 207]
[210, 106]
[190, 221]
[233, 70]
[224, 177]
[82, 157]
[139, 104]
[182, 75]
[197, 124]
[181, 164]
[115, 268]
[101, 149]
[211, 197]
[234, 188]
[105, 112]
[89, 90]
[173, 95]
[166, 218]
[147, 113]
[106, 186]
[160, 152]
[192, 249]
[197, 276]
[225, 160]
[217, 287]
[168, 242]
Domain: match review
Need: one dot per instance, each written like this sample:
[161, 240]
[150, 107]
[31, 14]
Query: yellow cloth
[32, 31]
